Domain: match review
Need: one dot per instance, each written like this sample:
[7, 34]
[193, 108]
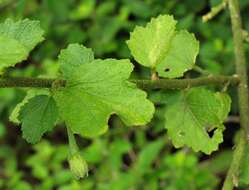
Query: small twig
[201, 70]
[154, 75]
[214, 11]
[224, 89]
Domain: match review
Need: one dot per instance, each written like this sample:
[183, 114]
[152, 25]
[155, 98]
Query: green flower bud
[78, 166]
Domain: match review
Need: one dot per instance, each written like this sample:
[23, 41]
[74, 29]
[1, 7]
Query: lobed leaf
[96, 90]
[198, 111]
[160, 47]
[149, 44]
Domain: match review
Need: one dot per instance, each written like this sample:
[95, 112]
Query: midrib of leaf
[207, 107]
[43, 111]
[186, 104]
[164, 52]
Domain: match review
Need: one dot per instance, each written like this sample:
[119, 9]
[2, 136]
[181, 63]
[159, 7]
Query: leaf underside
[30, 94]
[193, 115]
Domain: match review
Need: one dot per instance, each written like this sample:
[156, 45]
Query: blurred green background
[140, 158]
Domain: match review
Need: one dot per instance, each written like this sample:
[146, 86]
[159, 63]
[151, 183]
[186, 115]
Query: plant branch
[185, 83]
[240, 63]
[26, 82]
[232, 178]
[201, 70]
[241, 70]
[21, 82]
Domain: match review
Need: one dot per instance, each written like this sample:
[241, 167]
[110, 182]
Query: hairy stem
[201, 71]
[185, 83]
[232, 178]
[25, 82]
[240, 63]
[8, 82]
[241, 70]
[73, 147]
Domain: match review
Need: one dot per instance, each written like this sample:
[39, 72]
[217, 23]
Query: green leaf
[38, 116]
[149, 44]
[180, 56]
[17, 39]
[11, 52]
[30, 94]
[160, 47]
[225, 101]
[198, 111]
[96, 90]
[74, 56]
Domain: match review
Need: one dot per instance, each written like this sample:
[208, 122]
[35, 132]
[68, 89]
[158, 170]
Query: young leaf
[160, 47]
[197, 111]
[17, 39]
[97, 89]
[38, 116]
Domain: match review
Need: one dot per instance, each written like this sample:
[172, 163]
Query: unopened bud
[78, 166]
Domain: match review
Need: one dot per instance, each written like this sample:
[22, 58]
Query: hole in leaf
[167, 69]
[181, 134]
[211, 132]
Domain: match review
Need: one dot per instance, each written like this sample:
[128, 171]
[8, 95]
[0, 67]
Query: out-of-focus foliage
[140, 158]
[152, 168]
